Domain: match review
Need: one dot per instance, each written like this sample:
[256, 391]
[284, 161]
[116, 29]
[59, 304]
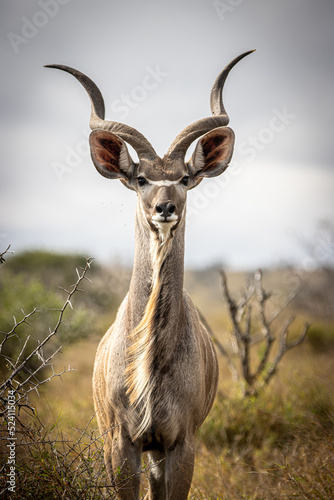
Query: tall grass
[279, 445]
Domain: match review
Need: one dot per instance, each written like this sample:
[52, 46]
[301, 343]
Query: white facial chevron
[163, 183]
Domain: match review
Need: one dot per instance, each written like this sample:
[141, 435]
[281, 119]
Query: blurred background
[155, 62]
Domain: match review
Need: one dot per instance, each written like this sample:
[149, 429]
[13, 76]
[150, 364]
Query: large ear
[213, 153]
[110, 155]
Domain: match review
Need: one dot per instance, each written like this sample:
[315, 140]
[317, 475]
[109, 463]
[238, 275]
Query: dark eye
[185, 180]
[141, 181]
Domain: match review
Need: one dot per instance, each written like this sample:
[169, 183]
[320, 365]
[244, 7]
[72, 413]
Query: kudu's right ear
[110, 156]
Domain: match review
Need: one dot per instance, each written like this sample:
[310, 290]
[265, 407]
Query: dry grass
[279, 445]
[69, 401]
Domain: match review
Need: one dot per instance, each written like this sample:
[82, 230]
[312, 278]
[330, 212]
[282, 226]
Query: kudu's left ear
[110, 156]
[212, 154]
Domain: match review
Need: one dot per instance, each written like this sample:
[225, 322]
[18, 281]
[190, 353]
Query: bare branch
[15, 326]
[2, 259]
[20, 366]
[232, 308]
[280, 309]
[241, 315]
[284, 347]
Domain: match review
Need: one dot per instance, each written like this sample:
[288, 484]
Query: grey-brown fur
[183, 396]
[156, 371]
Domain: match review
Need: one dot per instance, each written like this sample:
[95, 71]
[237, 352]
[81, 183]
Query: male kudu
[156, 371]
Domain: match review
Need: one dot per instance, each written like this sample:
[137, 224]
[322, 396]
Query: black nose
[165, 209]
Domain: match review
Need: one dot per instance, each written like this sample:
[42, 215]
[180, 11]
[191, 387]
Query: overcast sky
[155, 62]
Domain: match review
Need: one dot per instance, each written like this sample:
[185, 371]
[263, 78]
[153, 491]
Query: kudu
[156, 371]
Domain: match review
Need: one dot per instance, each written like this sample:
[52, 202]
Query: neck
[155, 311]
[155, 262]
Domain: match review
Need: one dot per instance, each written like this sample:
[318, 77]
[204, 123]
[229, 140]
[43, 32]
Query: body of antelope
[156, 371]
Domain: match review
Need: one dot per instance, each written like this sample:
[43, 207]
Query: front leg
[126, 465]
[179, 470]
[157, 476]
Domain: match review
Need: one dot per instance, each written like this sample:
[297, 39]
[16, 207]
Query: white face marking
[164, 228]
[161, 218]
[163, 183]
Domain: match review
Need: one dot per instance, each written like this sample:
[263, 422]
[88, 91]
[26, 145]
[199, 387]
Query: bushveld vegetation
[269, 443]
